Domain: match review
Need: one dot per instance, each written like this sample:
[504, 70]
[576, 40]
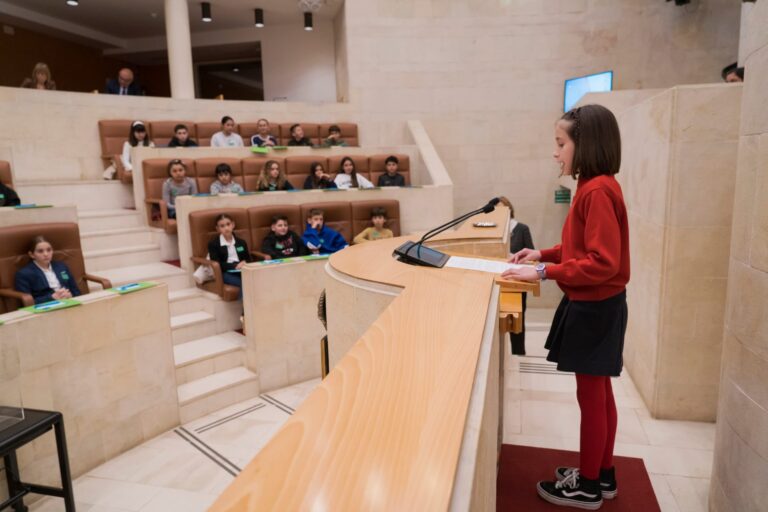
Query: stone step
[171, 275]
[114, 238]
[121, 256]
[86, 194]
[192, 326]
[203, 357]
[189, 300]
[100, 220]
[221, 389]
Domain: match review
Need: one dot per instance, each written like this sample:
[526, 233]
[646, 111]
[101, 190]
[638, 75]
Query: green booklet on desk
[280, 148]
[132, 287]
[315, 257]
[32, 205]
[53, 305]
[259, 150]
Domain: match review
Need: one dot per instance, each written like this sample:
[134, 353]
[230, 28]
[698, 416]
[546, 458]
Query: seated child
[392, 178]
[347, 176]
[263, 137]
[229, 251]
[181, 138]
[227, 136]
[224, 183]
[321, 239]
[137, 136]
[282, 242]
[44, 279]
[298, 138]
[378, 231]
[273, 178]
[177, 185]
[8, 196]
[318, 178]
[334, 137]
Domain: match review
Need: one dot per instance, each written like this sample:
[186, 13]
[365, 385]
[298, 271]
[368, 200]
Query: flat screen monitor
[577, 87]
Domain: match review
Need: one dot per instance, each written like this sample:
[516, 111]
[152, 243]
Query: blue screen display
[577, 87]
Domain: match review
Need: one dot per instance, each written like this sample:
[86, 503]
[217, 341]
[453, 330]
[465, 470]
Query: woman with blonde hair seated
[41, 78]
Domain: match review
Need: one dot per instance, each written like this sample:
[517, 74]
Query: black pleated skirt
[588, 336]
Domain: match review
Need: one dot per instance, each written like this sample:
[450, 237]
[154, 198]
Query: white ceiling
[129, 19]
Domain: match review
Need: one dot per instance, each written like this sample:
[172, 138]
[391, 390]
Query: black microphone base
[415, 254]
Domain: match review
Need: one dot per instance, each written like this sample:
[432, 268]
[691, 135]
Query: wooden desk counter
[408, 419]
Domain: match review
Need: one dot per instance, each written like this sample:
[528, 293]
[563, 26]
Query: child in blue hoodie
[321, 239]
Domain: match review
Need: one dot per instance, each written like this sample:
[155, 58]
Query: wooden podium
[409, 416]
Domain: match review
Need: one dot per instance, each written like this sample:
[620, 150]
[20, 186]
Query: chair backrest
[297, 168]
[252, 168]
[205, 171]
[310, 131]
[6, 176]
[65, 239]
[161, 132]
[247, 130]
[361, 214]
[202, 228]
[113, 133]
[337, 216]
[205, 131]
[348, 132]
[260, 219]
[378, 167]
[361, 165]
[156, 172]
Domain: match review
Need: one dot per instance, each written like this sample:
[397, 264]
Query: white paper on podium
[481, 265]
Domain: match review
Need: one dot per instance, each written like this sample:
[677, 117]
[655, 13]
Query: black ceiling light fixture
[308, 21]
[258, 17]
[681, 2]
[73, 3]
[206, 8]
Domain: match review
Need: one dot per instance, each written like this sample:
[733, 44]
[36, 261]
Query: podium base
[416, 254]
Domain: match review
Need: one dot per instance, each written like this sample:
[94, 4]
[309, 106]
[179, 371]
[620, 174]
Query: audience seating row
[65, 238]
[114, 132]
[246, 172]
[253, 225]
[6, 177]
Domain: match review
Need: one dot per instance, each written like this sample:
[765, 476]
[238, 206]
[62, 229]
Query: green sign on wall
[563, 195]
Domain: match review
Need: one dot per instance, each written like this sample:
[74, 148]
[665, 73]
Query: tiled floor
[540, 409]
[185, 469]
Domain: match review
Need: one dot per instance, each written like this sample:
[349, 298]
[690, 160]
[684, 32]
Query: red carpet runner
[522, 466]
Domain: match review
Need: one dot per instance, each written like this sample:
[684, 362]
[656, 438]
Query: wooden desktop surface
[384, 429]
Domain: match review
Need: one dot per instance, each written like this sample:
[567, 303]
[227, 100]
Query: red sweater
[592, 262]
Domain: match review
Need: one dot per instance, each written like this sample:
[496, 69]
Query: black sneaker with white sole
[607, 480]
[572, 491]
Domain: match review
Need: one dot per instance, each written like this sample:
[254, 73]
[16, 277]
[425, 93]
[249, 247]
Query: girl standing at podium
[591, 266]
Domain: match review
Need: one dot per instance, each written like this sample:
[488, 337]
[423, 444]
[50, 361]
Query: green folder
[132, 287]
[279, 148]
[259, 150]
[53, 305]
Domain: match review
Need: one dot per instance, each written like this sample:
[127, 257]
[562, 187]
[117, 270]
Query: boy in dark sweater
[319, 238]
[392, 178]
[8, 196]
[282, 242]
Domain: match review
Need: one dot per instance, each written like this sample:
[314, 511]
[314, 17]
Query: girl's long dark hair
[132, 135]
[596, 139]
[354, 170]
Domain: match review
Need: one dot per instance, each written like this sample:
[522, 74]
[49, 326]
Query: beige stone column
[179, 49]
[740, 469]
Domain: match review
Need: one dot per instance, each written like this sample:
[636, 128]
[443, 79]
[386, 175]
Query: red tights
[598, 423]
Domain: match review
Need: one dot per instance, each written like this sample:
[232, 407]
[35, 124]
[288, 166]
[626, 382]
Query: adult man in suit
[519, 238]
[124, 85]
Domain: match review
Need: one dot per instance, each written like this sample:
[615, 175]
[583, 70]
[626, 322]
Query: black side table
[34, 424]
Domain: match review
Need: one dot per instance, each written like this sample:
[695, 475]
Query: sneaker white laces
[571, 481]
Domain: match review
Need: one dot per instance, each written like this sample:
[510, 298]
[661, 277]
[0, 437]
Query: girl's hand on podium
[525, 255]
[527, 273]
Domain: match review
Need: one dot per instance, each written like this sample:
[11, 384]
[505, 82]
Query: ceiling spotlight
[73, 3]
[258, 16]
[681, 2]
[206, 7]
[236, 70]
[308, 21]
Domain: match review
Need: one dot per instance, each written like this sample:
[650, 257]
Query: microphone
[432, 257]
